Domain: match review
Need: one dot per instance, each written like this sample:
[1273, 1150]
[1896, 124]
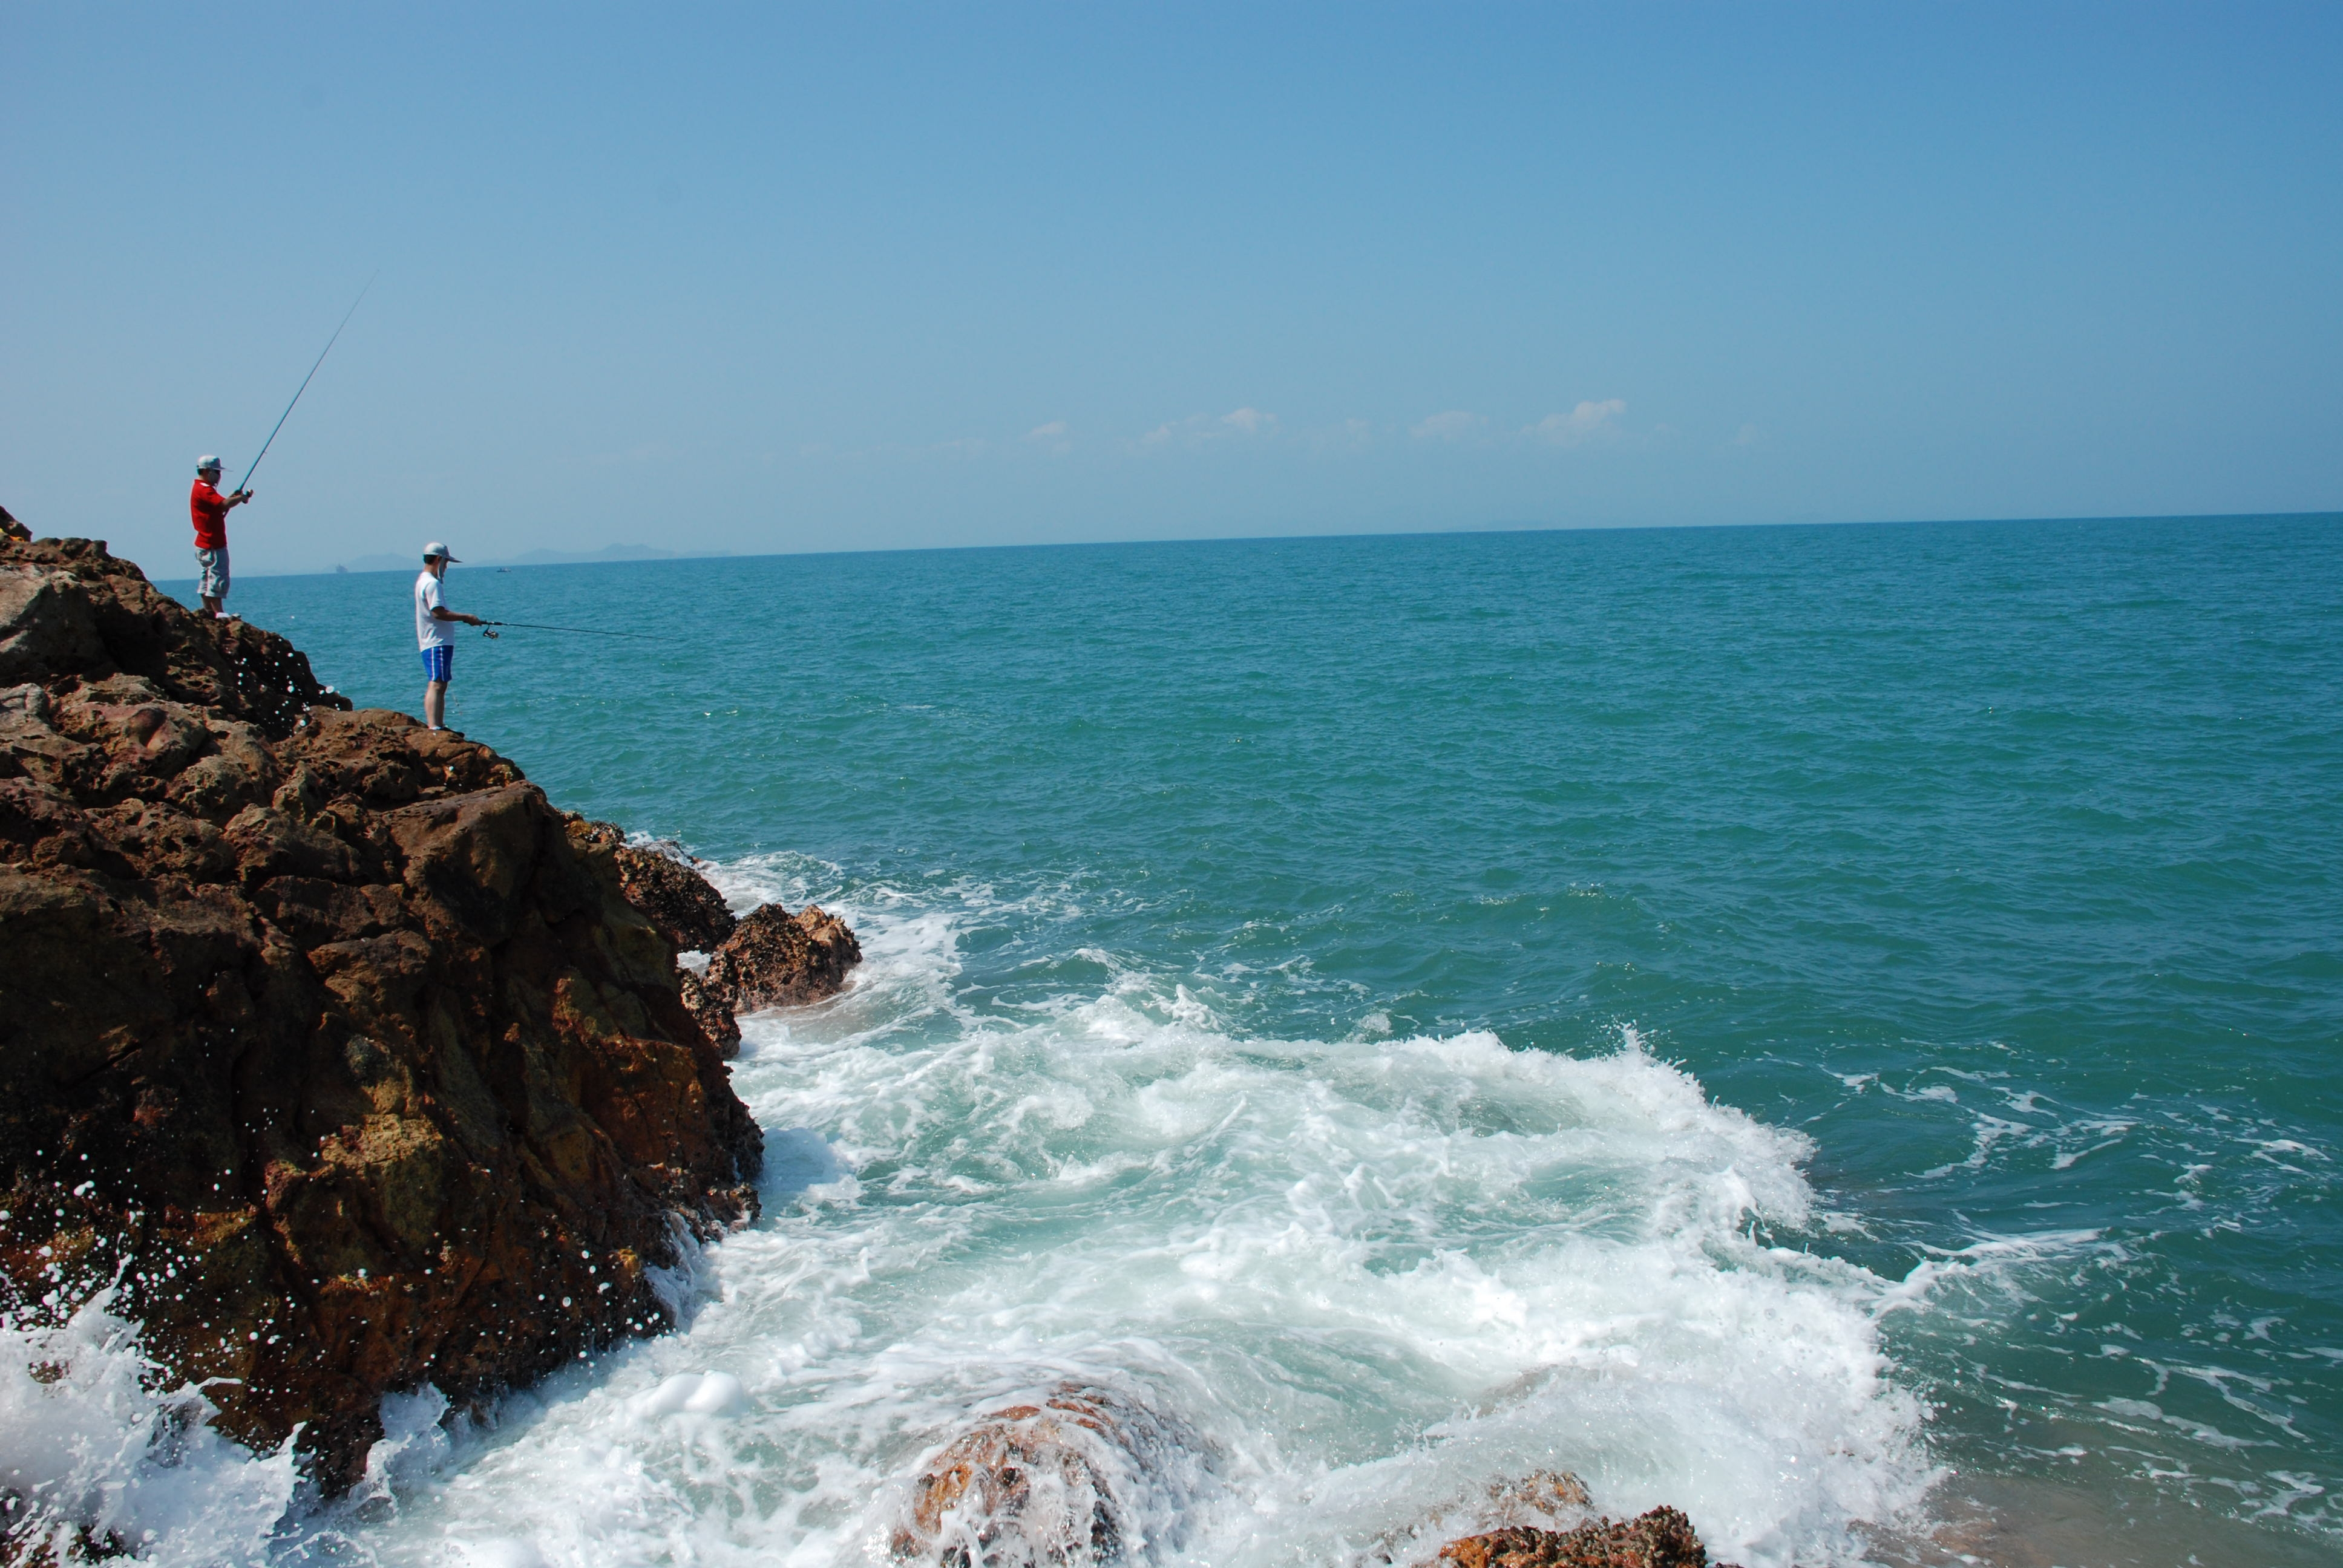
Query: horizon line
[516, 563]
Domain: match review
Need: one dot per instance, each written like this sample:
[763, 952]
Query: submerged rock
[1541, 1495]
[1076, 1478]
[332, 1037]
[775, 959]
[1544, 1499]
[1663, 1538]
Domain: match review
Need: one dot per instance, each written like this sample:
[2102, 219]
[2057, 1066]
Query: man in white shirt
[432, 619]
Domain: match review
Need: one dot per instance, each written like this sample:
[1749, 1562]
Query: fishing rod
[247, 480]
[579, 630]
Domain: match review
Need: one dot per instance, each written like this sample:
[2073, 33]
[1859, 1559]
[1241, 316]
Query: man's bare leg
[211, 605]
[434, 703]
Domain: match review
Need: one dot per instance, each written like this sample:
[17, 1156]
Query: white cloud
[1202, 430]
[1455, 424]
[1051, 436]
[1748, 436]
[1589, 421]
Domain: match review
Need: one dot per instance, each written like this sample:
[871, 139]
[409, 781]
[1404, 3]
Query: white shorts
[214, 578]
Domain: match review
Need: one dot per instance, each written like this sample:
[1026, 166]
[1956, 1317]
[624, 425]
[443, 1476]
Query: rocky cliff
[329, 1038]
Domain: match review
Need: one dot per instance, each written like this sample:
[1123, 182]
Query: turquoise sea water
[1346, 932]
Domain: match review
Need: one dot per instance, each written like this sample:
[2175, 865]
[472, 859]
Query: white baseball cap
[435, 549]
[206, 462]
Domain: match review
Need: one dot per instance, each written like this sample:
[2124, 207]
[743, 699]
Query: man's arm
[441, 612]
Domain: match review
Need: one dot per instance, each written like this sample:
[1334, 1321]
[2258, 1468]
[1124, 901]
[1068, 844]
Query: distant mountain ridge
[391, 563]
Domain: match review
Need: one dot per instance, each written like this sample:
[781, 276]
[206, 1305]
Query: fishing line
[247, 480]
[578, 630]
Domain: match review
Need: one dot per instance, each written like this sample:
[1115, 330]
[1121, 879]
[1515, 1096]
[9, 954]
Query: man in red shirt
[209, 509]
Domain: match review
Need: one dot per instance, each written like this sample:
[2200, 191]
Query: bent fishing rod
[246, 482]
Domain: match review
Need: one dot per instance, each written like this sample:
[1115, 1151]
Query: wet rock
[1064, 1480]
[775, 959]
[331, 1036]
[663, 884]
[1663, 1538]
[1543, 1500]
[1541, 1495]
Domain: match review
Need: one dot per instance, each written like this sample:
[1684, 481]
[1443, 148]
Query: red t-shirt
[208, 508]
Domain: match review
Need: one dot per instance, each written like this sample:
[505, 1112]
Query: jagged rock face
[1663, 1538]
[714, 1013]
[1044, 1484]
[68, 609]
[692, 914]
[332, 1035]
[771, 958]
[678, 899]
[775, 959]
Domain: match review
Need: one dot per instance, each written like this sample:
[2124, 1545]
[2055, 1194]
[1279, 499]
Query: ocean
[1830, 1028]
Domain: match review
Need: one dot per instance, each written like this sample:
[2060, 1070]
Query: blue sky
[769, 278]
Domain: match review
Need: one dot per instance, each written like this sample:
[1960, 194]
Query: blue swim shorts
[439, 663]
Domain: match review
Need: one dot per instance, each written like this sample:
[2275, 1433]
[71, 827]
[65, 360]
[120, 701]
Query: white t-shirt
[431, 594]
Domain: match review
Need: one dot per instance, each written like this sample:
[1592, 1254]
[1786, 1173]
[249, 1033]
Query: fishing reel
[487, 633]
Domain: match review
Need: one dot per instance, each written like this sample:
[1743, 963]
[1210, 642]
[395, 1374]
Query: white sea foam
[1365, 1278]
[87, 1442]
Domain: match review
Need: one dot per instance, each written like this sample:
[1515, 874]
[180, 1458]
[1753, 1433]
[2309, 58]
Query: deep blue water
[2000, 860]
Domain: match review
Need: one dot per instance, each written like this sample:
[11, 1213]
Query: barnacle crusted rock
[1663, 1538]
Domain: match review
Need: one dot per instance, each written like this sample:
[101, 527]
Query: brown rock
[662, 883]
[46, 622]
[714, 1013]
[1038, 1484]
[775, 959]
[1663, 1538]
[328, 1034]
